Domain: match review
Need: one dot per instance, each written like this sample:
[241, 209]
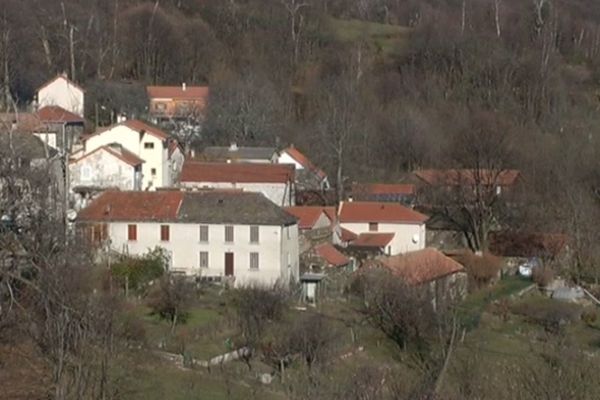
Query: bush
[255, 306]
[134, 273]
[171, 299]
[551, 314]
[543, 276]
[482, 270]
[589, 316]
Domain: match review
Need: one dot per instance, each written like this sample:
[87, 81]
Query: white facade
[285, 158]
[105, 170]
[63, 93]
[156, 170]
[322, 222]
[277, 249]
[278, 193]
[407, 237]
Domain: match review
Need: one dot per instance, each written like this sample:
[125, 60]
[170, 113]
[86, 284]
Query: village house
[241, 154]
[308, 175]
[445, 278]
[403, 229]
[161, 154]
[403, 193]
[275, 181]
[64, 93]
[107, 167]
[209, 234]
[57, 127]
[177, 102]
[500, 181]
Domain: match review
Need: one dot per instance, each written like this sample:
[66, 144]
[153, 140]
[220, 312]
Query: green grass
[388, 39]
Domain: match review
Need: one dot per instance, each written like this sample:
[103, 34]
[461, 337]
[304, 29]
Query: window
[254, 235]
[164, 233]
[253, 260]
[204, 259]
[204, 233]
[229, 234]
[132, 233]
[148, 145]
[86, 173]
[373, 226]
[153, 171]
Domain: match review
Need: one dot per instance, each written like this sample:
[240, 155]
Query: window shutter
[132, 232]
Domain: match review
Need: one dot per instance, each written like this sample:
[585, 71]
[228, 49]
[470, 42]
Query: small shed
[311, 283]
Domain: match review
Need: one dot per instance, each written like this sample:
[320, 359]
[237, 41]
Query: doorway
[228, 264]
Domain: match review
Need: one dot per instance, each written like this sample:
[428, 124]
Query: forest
[372, 90]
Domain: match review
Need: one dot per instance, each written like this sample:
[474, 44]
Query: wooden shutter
[204, 233]
[229, 234]
[132, 232]
[164, 233]
[254, 234]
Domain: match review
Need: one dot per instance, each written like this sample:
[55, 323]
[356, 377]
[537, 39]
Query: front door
[228, 264]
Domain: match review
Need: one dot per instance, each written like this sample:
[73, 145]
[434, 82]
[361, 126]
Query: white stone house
[212, 234]
[243, 154]
[107, 167]
[402, 228]
[274, 181]
[62, 92]
[308, 175]
[162, 159]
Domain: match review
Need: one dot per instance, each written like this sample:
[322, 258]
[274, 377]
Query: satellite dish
[415, 238]
[71, 215]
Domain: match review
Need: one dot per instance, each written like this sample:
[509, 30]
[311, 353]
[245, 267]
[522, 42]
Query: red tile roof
[194, 171]
[330, 254]
[307, 215]
[140, 126]
[133, 206]
[421, 266]
[117, 151]
[378, 240]
[383, 188]
[347, 235]
[304, 161]
[456, 177]
[365, 211]
[50, 114]
[136, 125]
[176, 92]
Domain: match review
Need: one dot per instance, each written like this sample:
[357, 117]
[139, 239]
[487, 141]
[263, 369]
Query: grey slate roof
[245, 208]
[244, 153]
[25, 146]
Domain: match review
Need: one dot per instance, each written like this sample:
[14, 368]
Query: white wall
[290, 254]
[285, 158]
[61, 92]
[105, 170]
[130, 139]
[322, 222]
[47, 137]
[403, 238]
[278, 193]
[185, 247]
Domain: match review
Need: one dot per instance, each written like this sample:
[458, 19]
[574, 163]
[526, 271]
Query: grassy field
[497, 341]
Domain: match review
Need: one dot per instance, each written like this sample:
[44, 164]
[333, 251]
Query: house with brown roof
[239, 154]
[177, 102]
[403, 229]
[445, 277]
[57, 127]
[215, 235]
[498, 180]
[162, 156]
[62, 92]
[308, 175]
[108, 167]
[275, 181]
[403, 193]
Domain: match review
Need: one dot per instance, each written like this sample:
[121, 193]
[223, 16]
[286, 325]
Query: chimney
[183, 86]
